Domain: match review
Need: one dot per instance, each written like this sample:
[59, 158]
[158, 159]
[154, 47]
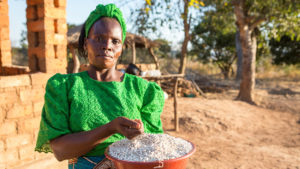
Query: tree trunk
[248, 51]
[186, 38]
[248, 72]
[239, 53]
[226, 71]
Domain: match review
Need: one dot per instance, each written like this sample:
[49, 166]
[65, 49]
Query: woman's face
[104, 43]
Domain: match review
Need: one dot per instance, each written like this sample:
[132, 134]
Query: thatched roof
[140, 41]
[73, 36]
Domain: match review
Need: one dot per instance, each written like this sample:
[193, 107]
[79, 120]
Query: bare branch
[258, 21]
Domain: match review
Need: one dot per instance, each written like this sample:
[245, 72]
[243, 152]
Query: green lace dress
[76, 102]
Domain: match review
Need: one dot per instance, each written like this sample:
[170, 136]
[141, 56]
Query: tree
[168, 13]
[213, 38]
[286, 50]
[164, 49]
[277, 15]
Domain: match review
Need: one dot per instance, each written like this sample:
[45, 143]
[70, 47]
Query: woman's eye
[98, 39]
[116, 41]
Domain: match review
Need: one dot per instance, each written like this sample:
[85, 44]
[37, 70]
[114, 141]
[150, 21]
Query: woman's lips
[105, 56]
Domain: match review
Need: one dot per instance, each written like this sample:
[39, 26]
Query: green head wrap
[109, 10]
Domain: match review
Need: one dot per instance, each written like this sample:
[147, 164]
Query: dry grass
[264, 69]
[281, 72]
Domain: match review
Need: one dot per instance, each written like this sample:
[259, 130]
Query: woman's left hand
[128, 128]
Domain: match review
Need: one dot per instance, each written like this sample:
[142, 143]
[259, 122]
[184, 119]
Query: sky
[77, 12]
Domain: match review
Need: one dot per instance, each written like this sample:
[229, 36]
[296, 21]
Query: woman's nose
[106, 45]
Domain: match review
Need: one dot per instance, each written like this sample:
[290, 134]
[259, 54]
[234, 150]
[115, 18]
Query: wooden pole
[133, 52]
[76, 61]
[154, 58]
[176, 120]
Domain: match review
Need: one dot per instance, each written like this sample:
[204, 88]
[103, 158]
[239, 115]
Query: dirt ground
[233, 134]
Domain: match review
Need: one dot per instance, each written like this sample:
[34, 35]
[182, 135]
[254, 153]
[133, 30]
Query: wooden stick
[171, 76]
[154, 58]
[176, 120]
[76, 61]
[198, 88]
[133, 53]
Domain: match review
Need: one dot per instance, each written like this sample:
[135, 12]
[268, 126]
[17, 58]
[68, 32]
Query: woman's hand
[129, 128]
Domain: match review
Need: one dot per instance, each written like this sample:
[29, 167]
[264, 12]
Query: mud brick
[62, 27]
[9, 156]
[35, 26]
[42, 64]
[2, 159]
[3, 8]
[37, 108]
[54, 12]
[18, 141]
[37, 39]
[31, 37]
[60, 3]
[40, 52]
[6, 58]
[3, 2]
[26, 152]
[40, 11]
[38, 155]
[32, 95]
[18, 111]
[5, 45]
[60, 39]
[26, 95]
[56, 64]
[29, 125]
[14, 81]
[35, 2]
[8, 97]
[61, 53]
[39, 78]
[2, 113]
[50, 53]
[1, 146]
[4, 33]
[31, 14]
[8, 128]
[49, 25]
[10, 89]
[49, 37]
[4, 21]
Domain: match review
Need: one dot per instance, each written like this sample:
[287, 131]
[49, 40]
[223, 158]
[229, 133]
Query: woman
[86, 112]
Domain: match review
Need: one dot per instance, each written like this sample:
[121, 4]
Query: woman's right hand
[128, 128]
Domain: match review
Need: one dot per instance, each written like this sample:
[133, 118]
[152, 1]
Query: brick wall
[21, 102]
[13, 70]
[5, 48]
[47, 35]
[22, 96]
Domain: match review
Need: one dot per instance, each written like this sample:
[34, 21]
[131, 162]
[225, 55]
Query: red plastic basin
[177, 163]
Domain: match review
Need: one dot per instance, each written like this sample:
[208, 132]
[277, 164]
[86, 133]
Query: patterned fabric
[85, 162]
[109, 10]
[76, 102]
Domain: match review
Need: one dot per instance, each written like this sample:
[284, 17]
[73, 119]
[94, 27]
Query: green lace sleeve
[152, 108]
[55, 113]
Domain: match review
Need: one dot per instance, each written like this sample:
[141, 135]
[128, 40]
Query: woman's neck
[105, 75]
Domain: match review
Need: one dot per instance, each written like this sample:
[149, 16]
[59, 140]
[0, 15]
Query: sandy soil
[233, 134]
